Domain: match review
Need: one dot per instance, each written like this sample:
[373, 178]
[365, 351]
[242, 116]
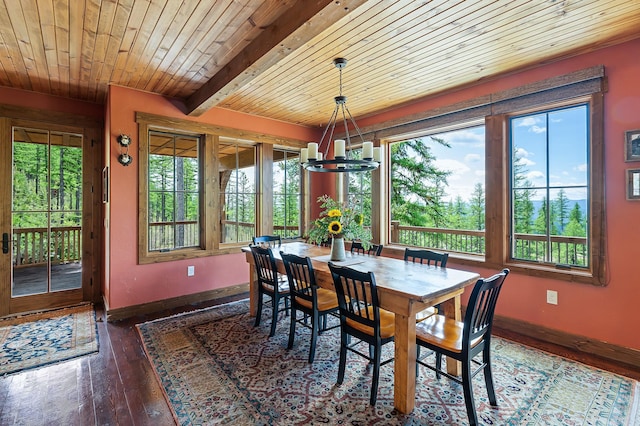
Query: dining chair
[426, 256]
[463, 341]
[268, 240]
[374, 249]
[306, 296]
[270, 283]
[362, 318]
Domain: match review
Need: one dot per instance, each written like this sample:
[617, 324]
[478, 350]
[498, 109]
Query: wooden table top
[415, 281]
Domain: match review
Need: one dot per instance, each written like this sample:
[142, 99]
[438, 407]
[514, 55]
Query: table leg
[404, 385]
[452, 309]
[253, 291]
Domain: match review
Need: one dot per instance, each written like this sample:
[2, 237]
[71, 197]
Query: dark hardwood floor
[117, 386]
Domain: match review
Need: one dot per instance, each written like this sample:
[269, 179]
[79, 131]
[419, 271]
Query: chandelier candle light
[343, 158]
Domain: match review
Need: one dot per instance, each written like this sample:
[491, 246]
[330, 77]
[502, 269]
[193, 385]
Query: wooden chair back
[426, 256]
[478, 318]
[268, 240]
[301, 276]
[374, 249]
[266, 267]
[357, 296]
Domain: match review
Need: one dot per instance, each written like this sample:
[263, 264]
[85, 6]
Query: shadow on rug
[216, 368]
[35, 340]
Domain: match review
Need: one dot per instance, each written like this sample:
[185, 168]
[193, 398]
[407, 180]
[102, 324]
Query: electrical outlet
[191, 271]
[552, 297]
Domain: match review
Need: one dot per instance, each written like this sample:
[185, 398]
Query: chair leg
[275, 302]
[292, 327]
[259, 312]
[376, 374]
[343, 357]
[438, 365]
[372, 354]
[488, 379]
[467, 387]
[314, 335]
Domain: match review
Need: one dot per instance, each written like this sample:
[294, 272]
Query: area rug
[216, 368]
[35, 340]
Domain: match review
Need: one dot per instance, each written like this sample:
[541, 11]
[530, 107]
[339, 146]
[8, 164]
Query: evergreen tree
[576, 226]
[417, 186]
[523, 208]
[560, 211]
[477, 208]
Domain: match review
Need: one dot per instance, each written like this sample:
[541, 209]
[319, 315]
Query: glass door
[46, 218]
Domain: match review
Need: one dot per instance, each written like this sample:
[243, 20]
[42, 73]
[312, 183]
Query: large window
[550, 186]
[238, 184]
[525, 190]
[438, 190]
[359, 190]
[286, 194]
[173, 191]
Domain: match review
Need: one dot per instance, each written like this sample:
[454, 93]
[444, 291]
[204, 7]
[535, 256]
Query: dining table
[404, 288]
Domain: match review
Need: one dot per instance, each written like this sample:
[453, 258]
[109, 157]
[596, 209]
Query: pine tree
[417, 188]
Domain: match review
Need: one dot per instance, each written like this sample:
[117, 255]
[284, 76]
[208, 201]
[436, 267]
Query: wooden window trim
[582, 86]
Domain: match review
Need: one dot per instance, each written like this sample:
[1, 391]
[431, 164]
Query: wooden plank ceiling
[273, 58]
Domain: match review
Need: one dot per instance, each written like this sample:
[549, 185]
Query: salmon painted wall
[132, 284]
[28, 99]
[603, 313]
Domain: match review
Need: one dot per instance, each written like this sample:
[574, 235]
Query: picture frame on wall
[633, 184]
[632, 145]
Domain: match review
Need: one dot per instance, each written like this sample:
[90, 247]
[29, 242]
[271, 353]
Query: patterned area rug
[38, 339]
[216, 368]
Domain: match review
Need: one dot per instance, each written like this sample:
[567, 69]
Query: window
[238, 183]
[173, 191]
[526, 190]
[286, 194]
[438, 191]
[550, 186]
[359, 190]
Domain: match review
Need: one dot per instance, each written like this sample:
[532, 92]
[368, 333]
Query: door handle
[5, 243]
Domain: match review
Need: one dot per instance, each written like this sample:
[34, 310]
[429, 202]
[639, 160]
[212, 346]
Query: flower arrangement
[339, 221]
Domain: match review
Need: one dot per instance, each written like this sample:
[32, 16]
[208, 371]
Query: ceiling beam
[299, 24]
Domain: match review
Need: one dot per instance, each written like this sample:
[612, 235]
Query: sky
[565, 131]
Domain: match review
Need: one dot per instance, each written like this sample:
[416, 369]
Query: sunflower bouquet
[338, 221]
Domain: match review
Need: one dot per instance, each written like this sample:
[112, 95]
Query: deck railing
[161, 235]
[562, 250]
[30, 245]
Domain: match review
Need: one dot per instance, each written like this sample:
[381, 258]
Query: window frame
[210, 135]
[499, 203]
[208, 145]
[585, 86]
[295, 156]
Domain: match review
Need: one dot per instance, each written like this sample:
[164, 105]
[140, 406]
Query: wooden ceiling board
[248, 56]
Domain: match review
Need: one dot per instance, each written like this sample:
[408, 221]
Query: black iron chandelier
[343, 156]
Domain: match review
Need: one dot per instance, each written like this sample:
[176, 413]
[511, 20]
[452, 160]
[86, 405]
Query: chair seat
[283, 287]
[426, 313]
[387, 324]
[446, 333]
[327, 300]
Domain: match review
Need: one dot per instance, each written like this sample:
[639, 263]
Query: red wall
[129, 283]
[603, 313]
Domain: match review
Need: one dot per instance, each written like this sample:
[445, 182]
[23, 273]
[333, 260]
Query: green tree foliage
[576, 226]
[523, 207]
[286, 197]
[418, 186]
[477, 208]
[560, 211]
